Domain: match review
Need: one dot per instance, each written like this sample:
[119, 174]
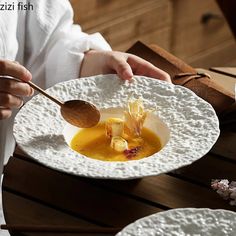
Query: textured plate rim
[195, 210]
[121, 176]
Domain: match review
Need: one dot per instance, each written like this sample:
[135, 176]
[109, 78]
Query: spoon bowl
[80, 113]
[76, 112]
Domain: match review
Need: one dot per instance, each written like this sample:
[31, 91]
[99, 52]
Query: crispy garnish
[135, 117]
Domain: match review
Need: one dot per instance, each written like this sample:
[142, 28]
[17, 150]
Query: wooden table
[34, 194]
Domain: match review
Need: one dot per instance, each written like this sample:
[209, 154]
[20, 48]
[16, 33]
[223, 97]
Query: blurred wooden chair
[228, 8]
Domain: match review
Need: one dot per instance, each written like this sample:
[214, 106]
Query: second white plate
[184, 222]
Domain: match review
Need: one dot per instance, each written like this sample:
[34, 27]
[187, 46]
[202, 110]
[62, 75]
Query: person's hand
[12, 90]
[124, 64]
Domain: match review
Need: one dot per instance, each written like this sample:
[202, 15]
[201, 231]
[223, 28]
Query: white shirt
[47, 43]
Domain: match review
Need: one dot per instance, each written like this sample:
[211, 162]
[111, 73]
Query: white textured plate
[192, 122]
[184, 222]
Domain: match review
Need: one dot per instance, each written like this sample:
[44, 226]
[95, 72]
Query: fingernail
[27, 76]
[31, 91]
[127, 75]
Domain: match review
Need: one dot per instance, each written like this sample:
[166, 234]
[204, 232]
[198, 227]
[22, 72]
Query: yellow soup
[94, 143]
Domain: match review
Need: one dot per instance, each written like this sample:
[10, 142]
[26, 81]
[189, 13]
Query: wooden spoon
[77, 112]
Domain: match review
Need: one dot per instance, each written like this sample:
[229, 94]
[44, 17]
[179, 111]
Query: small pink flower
[225, 189]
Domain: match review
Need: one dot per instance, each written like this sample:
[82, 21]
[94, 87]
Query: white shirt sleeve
[48, 44]
[54, 45]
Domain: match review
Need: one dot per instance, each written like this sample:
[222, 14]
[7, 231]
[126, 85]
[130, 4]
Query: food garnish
[135, 117]
[121, 131]
[130, 153]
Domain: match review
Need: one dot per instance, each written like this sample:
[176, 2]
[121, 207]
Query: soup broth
[94, 143]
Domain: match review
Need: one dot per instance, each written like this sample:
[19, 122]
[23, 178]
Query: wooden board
[230, 71]
[225, 81]
[36, 213]
[73, 195]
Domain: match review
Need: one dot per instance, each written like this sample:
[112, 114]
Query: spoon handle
[34, 86]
